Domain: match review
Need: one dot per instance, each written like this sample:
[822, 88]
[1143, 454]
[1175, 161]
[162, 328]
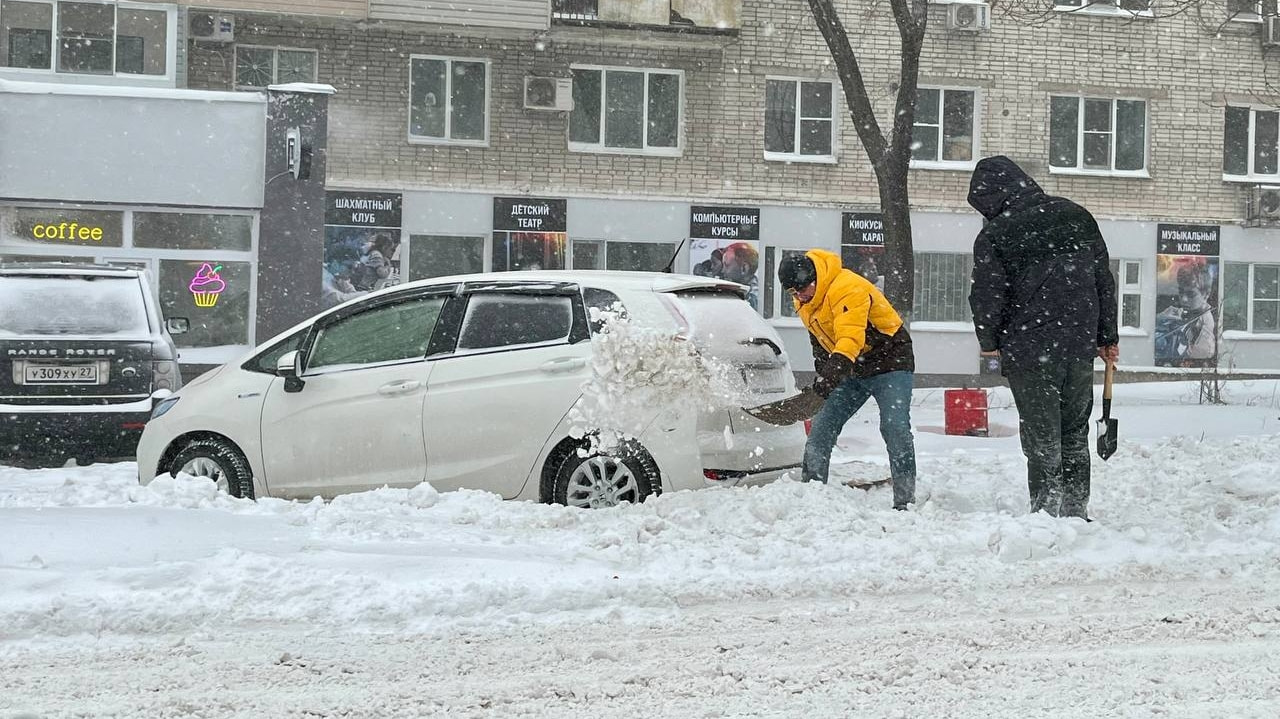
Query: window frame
[448, 115]
[1079, 169]
[963, 280]
[275, 64]
[834, 119]
[600, 147]
[1250, 177]
[1126, 289]
[1251, 299]
[55, 41]
[975, 143]
[1103, 8]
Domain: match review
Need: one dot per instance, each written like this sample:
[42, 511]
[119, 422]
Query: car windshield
[71, 305]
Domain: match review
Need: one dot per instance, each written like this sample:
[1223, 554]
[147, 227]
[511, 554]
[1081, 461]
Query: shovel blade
[787, 411]
[1108, 438]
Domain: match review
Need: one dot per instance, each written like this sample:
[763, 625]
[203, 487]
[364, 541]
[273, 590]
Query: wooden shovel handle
[1106, 382]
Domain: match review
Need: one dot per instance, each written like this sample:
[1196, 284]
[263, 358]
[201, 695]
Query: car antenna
[671, 263]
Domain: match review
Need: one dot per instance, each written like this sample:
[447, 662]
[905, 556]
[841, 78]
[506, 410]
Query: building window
[1250, 144]
[1098, 135]
[202, 265]
[87, 38]
[1128, 276]
[1251, 10]
[1251, 298]
[448, 100]
[945, 132]
[618, 255]
[258, 67]
[443, 255]
[620, 110]
[184, 231]
[942, 287]
[799, 120]
[1125, 8]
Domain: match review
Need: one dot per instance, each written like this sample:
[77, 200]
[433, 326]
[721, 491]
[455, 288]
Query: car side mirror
[289, 366]
[177, 325]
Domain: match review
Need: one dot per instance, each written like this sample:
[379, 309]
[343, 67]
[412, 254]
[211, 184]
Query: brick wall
[1179, 64]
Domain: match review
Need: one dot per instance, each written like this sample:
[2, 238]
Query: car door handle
[400, 386]
[564, 364]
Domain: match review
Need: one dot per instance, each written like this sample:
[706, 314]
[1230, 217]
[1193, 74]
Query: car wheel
[605, 480]
[218, 460]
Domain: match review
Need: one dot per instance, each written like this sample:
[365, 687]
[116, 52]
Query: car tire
[218, 460]
[599, 480]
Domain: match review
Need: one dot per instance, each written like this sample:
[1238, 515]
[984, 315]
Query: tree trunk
[899, 256]
[890, 157]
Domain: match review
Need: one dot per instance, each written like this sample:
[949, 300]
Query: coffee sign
[94, 228]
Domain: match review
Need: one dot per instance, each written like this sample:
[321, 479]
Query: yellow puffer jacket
[849, 316]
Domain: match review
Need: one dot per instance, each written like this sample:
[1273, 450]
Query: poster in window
[1187, 295]
[862, 245]
[361, 244]
[529, 233]
[724, 243]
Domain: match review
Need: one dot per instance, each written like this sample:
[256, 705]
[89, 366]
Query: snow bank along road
[786, 600]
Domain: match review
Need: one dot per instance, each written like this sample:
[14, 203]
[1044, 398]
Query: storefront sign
[361, 244]
[530, 214]
[862, 245]
[95, 228]
[529, 233]
[864, 229]
[1187, 270]
[724, 243]
[724, 223]
[362, 209]
[1188, 239]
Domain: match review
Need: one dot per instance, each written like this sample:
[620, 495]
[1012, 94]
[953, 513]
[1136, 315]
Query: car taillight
[164, 375]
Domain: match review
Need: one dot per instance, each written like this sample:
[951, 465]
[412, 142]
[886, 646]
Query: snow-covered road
[786, 600]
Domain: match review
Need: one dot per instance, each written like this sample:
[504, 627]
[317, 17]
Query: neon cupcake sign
[207, 285]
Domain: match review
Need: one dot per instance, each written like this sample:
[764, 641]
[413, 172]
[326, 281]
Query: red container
[965, 412]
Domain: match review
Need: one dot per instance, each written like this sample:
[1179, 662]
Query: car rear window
[721, 320]
[71, 305]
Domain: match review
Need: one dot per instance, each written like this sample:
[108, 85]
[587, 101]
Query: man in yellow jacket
[860, 350]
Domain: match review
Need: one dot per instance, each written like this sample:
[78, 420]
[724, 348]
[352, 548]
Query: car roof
[53, 269]
[603, 279]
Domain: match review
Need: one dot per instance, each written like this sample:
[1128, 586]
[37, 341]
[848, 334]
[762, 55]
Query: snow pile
[637, 370]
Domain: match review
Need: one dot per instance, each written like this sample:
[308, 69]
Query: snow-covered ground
[784, 600]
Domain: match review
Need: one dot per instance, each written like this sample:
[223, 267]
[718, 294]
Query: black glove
[823, 387]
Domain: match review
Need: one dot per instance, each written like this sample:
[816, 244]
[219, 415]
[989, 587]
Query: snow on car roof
[605, 279]
[49, 269]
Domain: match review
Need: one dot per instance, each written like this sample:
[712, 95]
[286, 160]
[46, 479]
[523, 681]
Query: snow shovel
[1107, 440]
[787, 411]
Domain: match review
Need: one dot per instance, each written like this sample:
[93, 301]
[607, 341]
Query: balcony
[715, 17]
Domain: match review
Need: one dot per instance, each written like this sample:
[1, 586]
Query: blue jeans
[892, 391]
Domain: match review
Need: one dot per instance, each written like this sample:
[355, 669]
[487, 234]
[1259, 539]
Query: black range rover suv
[82, 349]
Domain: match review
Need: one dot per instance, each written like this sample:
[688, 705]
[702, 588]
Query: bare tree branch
[855, 90]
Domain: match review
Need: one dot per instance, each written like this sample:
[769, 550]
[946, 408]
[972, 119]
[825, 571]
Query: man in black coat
[1044, 302]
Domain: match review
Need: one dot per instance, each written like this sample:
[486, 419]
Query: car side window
[501, 320]
[601, 301]
[266, 362]
[385, 333]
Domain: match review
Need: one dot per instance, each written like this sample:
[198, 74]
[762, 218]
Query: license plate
[40, 373]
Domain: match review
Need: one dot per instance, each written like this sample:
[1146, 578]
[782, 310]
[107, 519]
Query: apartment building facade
[623, 135]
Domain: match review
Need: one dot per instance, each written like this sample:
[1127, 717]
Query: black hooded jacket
[1042, 289]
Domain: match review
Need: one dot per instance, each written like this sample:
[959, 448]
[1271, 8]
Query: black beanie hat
[796, 272]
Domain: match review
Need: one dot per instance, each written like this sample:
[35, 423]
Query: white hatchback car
[469, 382]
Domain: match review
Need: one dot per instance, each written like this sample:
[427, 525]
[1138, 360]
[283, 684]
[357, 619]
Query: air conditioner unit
[969, 17]
[1262, 207]
[208, 27]
[548, 93]
[1271, 31]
